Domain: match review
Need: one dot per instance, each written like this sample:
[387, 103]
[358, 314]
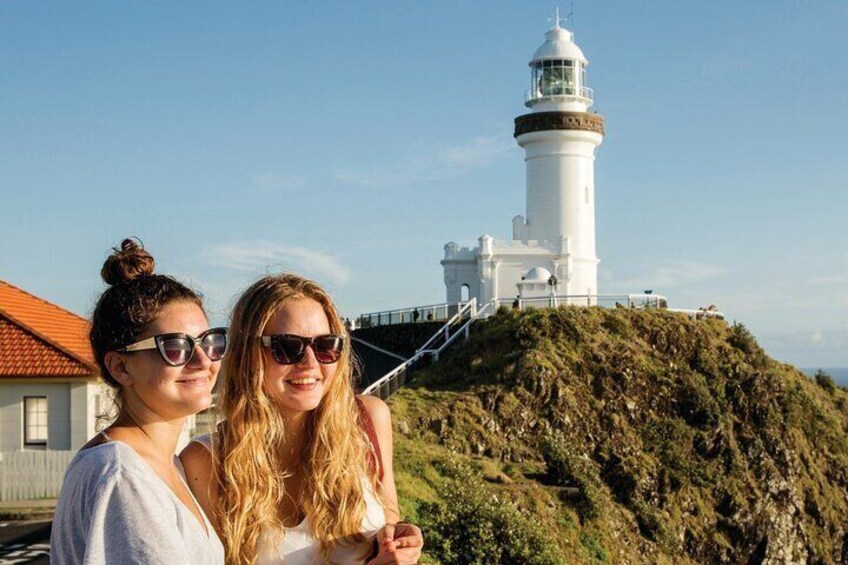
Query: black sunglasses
[289, 349]
[177, 349]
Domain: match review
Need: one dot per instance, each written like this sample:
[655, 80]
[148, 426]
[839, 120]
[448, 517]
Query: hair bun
[127, 262]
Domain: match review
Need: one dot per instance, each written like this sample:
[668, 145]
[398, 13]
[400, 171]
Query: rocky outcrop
[686, 442]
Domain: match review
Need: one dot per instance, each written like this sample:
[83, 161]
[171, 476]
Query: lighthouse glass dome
[558, 77]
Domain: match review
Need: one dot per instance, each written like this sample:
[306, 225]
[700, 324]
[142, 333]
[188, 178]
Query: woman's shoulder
[376, 408]
[206, 441]
[104, 461]
[104, 471]
[196, 458]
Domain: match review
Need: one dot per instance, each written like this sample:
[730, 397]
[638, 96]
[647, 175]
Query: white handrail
[471, 304]
[426, 313]
[610, 300]
[463, 330]
[376, 348]
[387, 379]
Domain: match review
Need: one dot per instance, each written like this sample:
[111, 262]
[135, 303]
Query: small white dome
[559, 44]
[537, 274]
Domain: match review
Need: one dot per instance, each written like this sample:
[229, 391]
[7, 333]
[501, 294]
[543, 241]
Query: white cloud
[816, 348]
[841, 264]
[819, 339]
[411, 172]
[273, 182]
[262, 256]
[832, 279]
[478, 153]
[673, 275]
[438, 165]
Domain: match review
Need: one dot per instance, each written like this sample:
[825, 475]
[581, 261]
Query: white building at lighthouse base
[507, 270]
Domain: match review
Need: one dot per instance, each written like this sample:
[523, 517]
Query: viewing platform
[445, 311]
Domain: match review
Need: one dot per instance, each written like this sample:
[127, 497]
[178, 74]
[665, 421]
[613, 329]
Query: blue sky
[351, 140]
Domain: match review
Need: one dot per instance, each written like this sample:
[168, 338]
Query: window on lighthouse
[555, 78]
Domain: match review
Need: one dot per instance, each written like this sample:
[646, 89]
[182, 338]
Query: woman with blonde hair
[300, 470]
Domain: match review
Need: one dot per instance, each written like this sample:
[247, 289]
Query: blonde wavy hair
[247, 471]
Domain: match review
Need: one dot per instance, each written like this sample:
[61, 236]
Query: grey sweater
[114, 509]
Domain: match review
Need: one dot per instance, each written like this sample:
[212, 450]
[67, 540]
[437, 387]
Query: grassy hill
[589, 435]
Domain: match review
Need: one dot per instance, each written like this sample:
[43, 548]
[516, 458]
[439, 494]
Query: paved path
[25, 541]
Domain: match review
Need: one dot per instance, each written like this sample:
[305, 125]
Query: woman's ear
[117, 366]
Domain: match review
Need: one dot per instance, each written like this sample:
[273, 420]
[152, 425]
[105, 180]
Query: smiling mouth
[194, 380]
[307, 381]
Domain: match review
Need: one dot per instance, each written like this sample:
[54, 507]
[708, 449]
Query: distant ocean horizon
[839, 374]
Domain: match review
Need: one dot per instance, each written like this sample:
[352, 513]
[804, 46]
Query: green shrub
[825, 381]
[742, 339]
[566, 468]
[650, 523]
[622, 477]
[593, 547]
[472, 525]
[617, 324]
[696, 403]
[671, 441]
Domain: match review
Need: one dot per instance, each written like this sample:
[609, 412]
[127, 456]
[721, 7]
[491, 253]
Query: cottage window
[35, 421]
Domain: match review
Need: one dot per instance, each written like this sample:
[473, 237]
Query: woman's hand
[400, 544]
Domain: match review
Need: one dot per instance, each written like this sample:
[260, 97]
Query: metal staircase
[458, 325]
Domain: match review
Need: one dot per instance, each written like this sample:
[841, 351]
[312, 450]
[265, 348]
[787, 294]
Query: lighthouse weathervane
[558, 20]
[555, 241]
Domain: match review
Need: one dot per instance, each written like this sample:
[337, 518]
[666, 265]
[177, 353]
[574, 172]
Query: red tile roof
[40, 338]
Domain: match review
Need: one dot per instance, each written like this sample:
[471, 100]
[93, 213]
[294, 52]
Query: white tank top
[297, 546]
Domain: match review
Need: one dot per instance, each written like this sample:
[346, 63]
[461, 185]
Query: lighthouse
[559, 138]
[552, 251]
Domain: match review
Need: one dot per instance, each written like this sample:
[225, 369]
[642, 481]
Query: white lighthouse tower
[552, 251]
[559, 139]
